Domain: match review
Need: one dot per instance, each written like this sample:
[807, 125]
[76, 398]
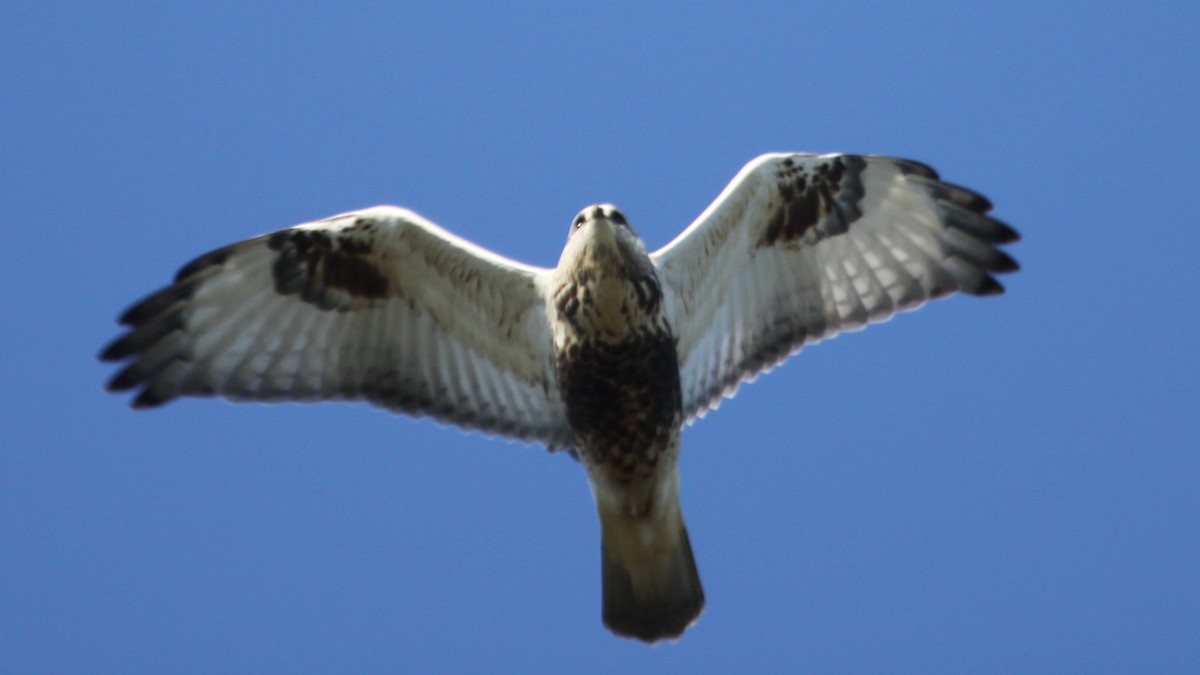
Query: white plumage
[459, 333]
[739, 307]
[382, 305]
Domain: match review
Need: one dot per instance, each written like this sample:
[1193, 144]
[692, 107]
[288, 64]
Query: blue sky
[985, 485]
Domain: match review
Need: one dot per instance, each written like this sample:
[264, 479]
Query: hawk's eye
[576, 224]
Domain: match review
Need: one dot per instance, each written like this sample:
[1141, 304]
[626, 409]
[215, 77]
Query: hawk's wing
[799, 247]
[378, 304]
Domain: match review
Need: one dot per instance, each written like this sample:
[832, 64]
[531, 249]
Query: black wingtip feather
[951, 193]
[155, 303]
[111, 352]
[987, 286]
[1003, 263]
[966, 198]
[122, 381]
[211, 259]
[143, 336]
[1005, 233]
[120, 348]
[911, 167]
[149, 399]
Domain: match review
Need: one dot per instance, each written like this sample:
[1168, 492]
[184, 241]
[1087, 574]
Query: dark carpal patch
[311, 263]
[826, 196]
[622, 399]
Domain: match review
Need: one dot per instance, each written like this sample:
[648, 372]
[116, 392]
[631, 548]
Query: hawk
[606, 356]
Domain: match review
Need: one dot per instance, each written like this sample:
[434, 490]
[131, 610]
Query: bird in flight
[605, 356]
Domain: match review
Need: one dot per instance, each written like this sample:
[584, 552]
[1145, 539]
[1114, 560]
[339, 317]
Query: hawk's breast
[618, 371]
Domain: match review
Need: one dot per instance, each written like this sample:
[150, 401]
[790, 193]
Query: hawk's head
[600, 235]
[598, 212]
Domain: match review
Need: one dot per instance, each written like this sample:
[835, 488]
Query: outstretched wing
[800, 247]
[378, 304]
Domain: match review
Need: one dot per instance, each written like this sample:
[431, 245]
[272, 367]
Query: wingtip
[1003, 232]
[988, 286]
[106, 354]
[1003, 263]
[113, 351]
[910, 167]
[148, 399]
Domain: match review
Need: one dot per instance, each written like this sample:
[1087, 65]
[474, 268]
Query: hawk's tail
[651, 586]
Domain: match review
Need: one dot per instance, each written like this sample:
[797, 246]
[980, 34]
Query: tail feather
[651, 587]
